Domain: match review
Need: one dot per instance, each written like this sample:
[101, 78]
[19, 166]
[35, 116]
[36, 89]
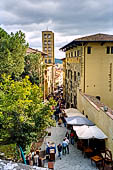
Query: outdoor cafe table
[88, 152]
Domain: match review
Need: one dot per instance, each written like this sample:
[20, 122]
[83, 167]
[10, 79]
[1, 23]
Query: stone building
[89, 65]
[48, 48]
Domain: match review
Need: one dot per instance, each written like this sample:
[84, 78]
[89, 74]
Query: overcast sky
[68, 19]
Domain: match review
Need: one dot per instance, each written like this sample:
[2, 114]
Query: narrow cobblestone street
[73, 161]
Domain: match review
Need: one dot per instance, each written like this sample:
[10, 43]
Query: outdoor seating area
[90, 139]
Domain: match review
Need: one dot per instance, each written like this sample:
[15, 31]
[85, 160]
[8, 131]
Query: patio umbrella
[79, 121]
[89, 132]
[73, 112]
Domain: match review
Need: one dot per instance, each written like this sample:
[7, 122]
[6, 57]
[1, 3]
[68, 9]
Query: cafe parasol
[79, 121]
[73, 112]
[89, 132]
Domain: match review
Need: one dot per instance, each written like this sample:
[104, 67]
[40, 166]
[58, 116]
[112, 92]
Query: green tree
[23, 115]
[12, 51]
[34, 67]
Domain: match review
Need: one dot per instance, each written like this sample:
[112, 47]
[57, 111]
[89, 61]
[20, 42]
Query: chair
[108, 157]
[80, 145]
[51, 165]
[103, 160]
[99, 159]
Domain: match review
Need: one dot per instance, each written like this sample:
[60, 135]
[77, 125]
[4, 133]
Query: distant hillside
[58, 61]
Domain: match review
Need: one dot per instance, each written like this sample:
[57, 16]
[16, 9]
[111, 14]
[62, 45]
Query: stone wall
[9, 165]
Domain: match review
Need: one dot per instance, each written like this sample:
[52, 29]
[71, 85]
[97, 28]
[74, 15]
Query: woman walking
[59, 147]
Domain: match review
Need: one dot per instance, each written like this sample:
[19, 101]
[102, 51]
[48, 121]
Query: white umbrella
[79, 121]
[89, 132]
[73, 112]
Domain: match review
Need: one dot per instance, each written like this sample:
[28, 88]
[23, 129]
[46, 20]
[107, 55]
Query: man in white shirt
[35, 159]
[67, 147]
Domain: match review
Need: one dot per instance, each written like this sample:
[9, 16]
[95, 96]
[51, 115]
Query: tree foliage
[12, 51]
[34, 67]
[23, 115]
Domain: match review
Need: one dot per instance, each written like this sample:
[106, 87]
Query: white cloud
[67, 19]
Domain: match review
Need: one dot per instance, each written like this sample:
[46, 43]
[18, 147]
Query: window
[71, 85]
[74, 75]
[75, 101]
[49, 42]
[88, 50]
[111, 50]
[71, 97]
[68, 73]
[45, 42]
[45, 35]
[49, 48]
[45, 56]
[45, 48]
[75, 53]
[108, 50]
[78, 74]
[71, 74]
[49, 54]
[49, 61]
[98, 97]
[45, 60]
[71, 54]
[49, 35]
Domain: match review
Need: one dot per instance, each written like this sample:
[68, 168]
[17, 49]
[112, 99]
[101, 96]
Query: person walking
[59, 147]
[35, 159]
[67, 135]
[64, 145]
[72, 137]
[67, 147]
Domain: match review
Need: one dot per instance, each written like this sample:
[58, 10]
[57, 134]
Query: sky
[68, 19]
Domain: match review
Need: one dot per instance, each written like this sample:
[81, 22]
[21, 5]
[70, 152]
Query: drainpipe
[84, 66]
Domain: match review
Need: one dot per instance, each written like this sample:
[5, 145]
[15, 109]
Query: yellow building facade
[48, 48]
[89, 65]
[64, 77]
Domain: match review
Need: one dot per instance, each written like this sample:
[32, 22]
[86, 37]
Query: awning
[89, 132]
[79, 121]
[73, 112]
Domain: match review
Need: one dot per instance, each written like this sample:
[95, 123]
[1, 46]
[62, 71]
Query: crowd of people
[33, 157]
[63, 148]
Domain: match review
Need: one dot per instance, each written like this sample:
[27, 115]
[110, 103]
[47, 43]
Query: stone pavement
[73, 161]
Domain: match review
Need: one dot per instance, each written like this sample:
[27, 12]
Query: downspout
[84, 67]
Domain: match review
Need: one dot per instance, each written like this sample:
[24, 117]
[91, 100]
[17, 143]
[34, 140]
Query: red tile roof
[91, 38]
[96, 37]
[31, 50]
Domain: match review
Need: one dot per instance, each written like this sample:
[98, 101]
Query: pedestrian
[72, 137]
[47, 147]
[59, 147]
[35, 159]
[63, 120]
[64, 145]
[60, 122]
[67, 147]
[67, 135]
